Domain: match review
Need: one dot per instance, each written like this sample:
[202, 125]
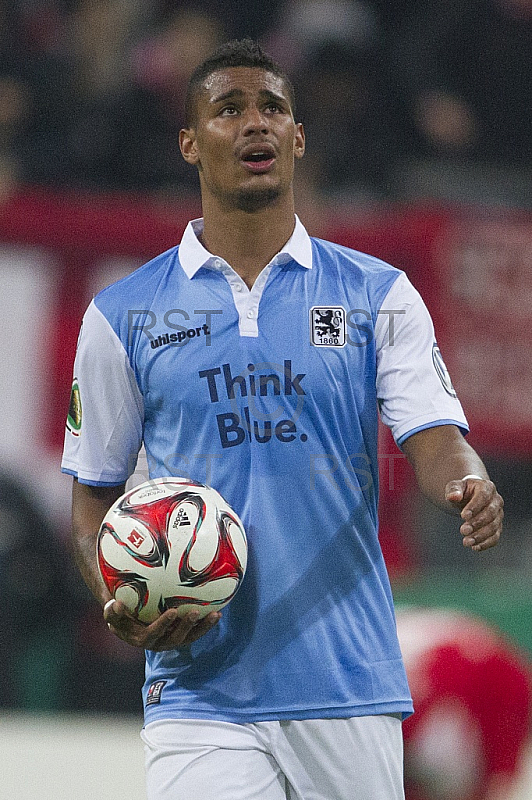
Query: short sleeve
[105, 420]
[414, 389]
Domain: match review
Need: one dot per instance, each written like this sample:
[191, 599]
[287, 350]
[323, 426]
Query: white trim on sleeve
[413, 386]
[105, 449]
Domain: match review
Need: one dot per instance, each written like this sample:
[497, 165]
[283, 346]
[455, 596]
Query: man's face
[244, 138]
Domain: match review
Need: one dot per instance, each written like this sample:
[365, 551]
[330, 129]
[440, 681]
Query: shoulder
[330, 253]
[362, 270]
[127, 305]
[137, 289]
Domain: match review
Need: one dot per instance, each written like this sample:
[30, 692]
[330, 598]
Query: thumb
[454, 491]
[114, 610]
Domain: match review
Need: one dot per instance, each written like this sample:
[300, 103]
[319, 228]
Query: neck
[247, 241]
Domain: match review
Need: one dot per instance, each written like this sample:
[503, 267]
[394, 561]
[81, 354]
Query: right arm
[89, 506]
[109, 433]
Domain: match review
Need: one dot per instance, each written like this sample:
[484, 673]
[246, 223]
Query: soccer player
[255, 358]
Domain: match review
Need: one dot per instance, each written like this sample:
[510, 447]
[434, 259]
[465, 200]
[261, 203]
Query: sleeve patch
[74, 416]
[441, 370]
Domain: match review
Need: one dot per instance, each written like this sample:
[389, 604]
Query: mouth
[258, 158]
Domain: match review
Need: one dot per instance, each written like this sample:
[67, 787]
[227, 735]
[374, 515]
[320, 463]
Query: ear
[299, 141]
[187, 145]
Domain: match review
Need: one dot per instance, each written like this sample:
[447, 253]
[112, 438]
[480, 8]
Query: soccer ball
[170, 543]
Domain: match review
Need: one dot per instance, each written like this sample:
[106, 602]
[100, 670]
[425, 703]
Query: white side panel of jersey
[413, 386]
[105, 449]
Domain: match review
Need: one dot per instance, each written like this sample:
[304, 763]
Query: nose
[255, 122]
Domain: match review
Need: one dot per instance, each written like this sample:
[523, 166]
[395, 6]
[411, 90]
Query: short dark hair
[236, 53]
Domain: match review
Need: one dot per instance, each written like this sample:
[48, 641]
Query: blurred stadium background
[418, 119]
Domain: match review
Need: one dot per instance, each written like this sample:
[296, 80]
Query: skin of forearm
[439, 455]
[84, 548]
[89, 506]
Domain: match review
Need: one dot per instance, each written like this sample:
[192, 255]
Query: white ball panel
[213, 592]
[135, 535]
[128, 596]
[116, 555]
[154, 490]
[239, 542]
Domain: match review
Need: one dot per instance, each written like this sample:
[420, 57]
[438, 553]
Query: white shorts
[317, 759]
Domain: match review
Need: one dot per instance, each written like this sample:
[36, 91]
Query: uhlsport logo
[328, 326]
[181, 337]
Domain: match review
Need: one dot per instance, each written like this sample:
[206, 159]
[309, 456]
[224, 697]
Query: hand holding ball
[171, 543]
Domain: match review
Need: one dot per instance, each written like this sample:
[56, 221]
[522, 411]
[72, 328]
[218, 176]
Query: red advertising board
[482, 307]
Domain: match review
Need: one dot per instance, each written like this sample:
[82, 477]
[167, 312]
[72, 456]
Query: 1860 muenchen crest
[327, 326]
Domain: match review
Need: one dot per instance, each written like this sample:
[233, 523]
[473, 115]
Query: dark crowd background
[401, 100]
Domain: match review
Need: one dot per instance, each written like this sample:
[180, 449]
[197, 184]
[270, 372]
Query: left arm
[441, 459]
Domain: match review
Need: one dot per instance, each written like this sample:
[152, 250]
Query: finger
[169, 622]
[167, 631]
[486, 516]
[454, 491]
[171, 629]
[114, 609]
[482, 495]
[490, 532]
[124, 624]
[186, 630]
[115, 613]
[473, 523]
[204, 625]
[486, 544]
[458, 492]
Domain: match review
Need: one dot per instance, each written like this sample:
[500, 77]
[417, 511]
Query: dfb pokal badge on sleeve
[442, 371]
[327, 326]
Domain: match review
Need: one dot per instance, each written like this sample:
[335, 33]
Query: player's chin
[257, 197]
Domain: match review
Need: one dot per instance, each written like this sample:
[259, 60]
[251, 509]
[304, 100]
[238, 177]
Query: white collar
[193, 255]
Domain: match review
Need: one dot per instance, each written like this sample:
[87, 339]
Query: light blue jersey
[271, 396]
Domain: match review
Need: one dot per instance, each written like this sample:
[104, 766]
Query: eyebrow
[264, 94]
